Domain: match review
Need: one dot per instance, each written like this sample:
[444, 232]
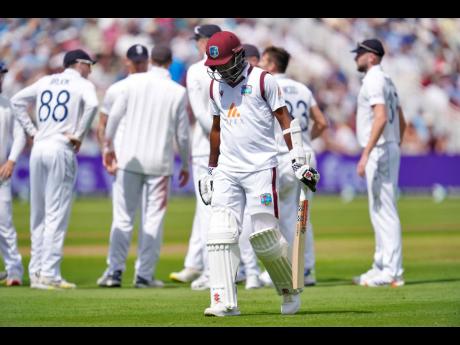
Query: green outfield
[344, 248]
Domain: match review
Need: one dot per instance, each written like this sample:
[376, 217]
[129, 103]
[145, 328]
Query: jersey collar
[280, 75]
[72, 71]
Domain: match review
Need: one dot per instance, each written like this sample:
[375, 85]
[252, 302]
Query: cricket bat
[298, 248]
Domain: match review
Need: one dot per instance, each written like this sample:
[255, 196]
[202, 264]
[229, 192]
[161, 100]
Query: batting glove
[205, 186]
[306, 174]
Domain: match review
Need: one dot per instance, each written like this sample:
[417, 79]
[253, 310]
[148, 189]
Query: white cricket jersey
[155, 111]
[64, 102]
[198, 94]
[377, 88]
[11, 133]
[114, 91]
[299, 100]
[247, 134]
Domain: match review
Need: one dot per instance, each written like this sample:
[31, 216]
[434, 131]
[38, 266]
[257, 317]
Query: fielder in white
[242, 171]
[380, 126]
[196, 269]
[155, 111]
[301, 105]
[12, 140]
[65, 107]
[137, 61]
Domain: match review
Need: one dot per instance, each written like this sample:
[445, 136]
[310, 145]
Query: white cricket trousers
[197, 257]
[382, 171]
[289, 194]
[127, 189]
[8, 237]
[53, 168]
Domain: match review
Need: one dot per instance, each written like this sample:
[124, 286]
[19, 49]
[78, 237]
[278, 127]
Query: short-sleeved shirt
[299, 100]
[247, 135]
[377, 88]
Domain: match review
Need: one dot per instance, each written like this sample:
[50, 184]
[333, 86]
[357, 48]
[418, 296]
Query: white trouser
[382, 172]
[197, 252]
[53, 168]
[127, 188]
[8, 237]
[289, 201]
[248, 256]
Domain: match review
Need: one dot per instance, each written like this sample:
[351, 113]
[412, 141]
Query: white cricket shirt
[64, 103]
[377, 88]
[155, 111]
[11, 133]
[299, 100]
[198, 94]
[247, 133]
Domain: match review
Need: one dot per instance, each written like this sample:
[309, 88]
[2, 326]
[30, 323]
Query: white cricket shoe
[220, 310]
[253, 282]
[309, 278]
[291, 303]
[145, 283]
[241, 275]
[361, 279]
[185, 276]
[34, 280]
[45, 283]
[201, 283]
[265, 279]
[384, 279]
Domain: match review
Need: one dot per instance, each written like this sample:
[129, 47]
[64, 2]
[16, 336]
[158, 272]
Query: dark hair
[279, 56]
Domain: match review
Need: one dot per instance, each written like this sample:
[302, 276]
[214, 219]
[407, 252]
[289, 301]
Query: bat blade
[298, 262]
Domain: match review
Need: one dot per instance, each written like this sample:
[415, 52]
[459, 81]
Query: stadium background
[424, 61]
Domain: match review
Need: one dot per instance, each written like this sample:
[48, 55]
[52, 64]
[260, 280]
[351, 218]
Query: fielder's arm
[200, 110]
[378, 125]
[282, 115]
[19, 104]
[319, 122]
[183, 140]
[89, 111]
[101, 126]
[214, 139]
[402, 124]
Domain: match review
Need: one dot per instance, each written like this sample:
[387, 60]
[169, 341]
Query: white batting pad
[272, 249]
[223, 257]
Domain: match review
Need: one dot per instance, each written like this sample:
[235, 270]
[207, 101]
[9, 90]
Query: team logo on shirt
[233, 111]
[246, 90]
[213, 51]
[266, 199]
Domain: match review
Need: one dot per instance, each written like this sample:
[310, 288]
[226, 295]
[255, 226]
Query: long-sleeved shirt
[155, 111]
[65, 103]
[12, 136]
[198, 82]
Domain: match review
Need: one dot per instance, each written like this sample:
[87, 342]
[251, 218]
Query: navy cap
[77, 55]
[250, 50]
[205, 31]
[373, 45]
[3, 68]
[137, 53]
[161, 54]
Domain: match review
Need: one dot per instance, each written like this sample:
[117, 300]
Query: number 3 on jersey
[60, 110]
[303, 118]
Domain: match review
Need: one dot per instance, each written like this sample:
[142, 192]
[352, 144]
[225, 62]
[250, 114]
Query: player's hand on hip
[183, 178]
[307, 175]
[205, 186]
[361, 167]
[6, 170]
[109, 160]
[76, 143]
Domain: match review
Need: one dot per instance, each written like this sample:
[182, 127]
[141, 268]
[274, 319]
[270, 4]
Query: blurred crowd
[422, 57]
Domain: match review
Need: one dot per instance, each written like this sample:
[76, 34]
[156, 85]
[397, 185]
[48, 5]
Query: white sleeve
[195, 91]
[117, 112]
[273, 94]
[107, 103]
[19, 141]
[90, 104]
[375, 90]
[182, 132]
[19, 104]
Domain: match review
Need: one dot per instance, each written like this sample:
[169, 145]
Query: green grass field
[344, 248]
